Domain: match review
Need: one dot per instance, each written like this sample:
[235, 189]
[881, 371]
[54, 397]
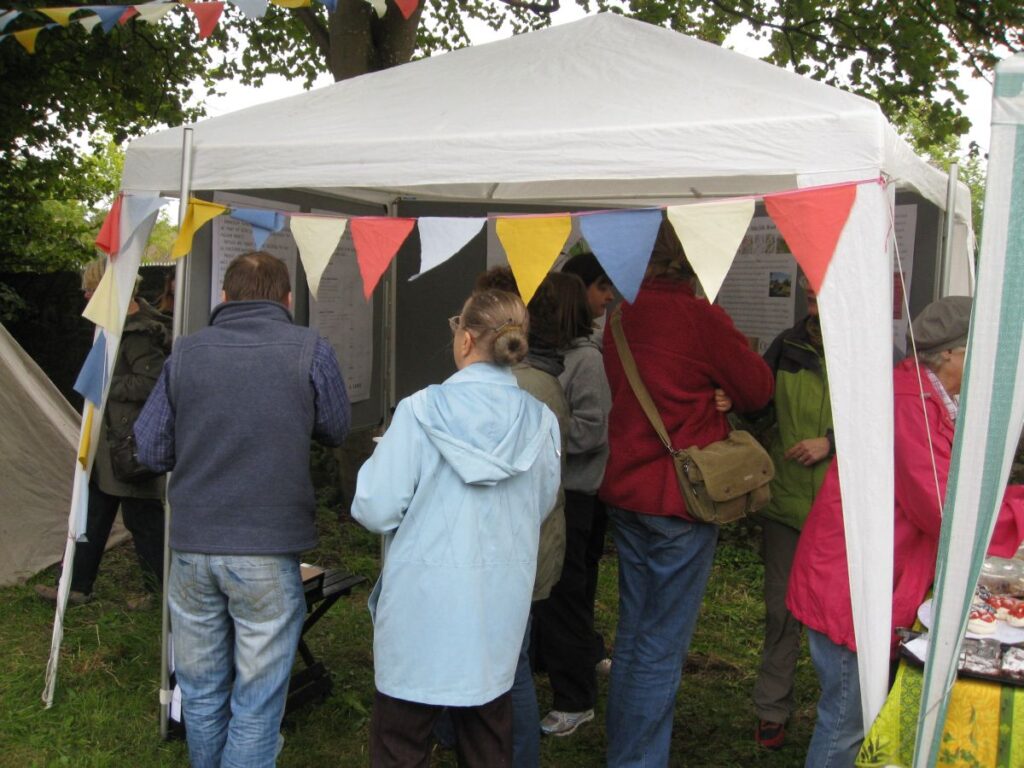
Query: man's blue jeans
[839, 729]
[236, 622]
[664, 564]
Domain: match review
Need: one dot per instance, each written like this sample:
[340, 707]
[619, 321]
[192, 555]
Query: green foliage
[913, 123]
[50, 224]
[80, 85]
[895, 53]
[161, 239]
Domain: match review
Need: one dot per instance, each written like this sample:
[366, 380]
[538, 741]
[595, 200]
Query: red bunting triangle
[811, 223]
[377, 240]
[208, 15]
[109, 238]
[406, 7]
[129, 12]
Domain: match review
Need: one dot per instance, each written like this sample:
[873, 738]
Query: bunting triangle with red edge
[406, 6]
[377, 240]
[811, 222]
[109, 238]
[208, 15]
[129, 13]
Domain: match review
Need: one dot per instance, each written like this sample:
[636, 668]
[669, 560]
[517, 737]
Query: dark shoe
[770, 735]
[49, 594]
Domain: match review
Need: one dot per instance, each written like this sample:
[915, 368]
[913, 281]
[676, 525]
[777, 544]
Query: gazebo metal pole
[949, 223]
[180, 305]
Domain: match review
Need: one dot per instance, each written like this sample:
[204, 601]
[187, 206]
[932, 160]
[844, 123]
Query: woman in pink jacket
[819, 584]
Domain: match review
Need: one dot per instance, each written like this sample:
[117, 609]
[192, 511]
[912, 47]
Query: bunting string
[106, 17]
[810, 220]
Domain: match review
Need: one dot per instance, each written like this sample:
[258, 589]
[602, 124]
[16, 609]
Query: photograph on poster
[758, 291]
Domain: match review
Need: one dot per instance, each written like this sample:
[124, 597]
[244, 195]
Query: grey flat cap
[943, 324]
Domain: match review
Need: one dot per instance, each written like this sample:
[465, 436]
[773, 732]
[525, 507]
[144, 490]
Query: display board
[232, 238]
[345, 318]
[422, 351]
[760, 290]
[762, 295]
[905, 229]
[364, 372]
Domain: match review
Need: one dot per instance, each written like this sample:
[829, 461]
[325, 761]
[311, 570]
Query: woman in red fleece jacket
[819, 583]
[685, 349]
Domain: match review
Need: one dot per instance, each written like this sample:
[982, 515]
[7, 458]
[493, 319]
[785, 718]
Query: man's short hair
[256, 276]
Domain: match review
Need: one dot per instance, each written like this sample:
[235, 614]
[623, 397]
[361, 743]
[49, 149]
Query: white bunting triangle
[443, 237]
[380, 6]
[317, 238]
[89, 22]
[135, 210]
[711, 234]
[154, 11]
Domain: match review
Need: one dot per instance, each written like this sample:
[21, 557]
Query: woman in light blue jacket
[459, 485]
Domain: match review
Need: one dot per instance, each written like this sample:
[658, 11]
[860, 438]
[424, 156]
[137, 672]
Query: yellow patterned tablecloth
[984, 725]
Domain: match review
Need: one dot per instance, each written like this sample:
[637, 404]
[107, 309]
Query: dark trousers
[144, 518]
[595, 551]
[773, 691]
[401, 733]
[564, 623]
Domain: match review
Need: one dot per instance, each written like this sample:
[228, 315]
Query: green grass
[106, 713]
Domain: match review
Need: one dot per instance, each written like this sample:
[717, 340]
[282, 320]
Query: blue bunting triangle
[109, 14]
[331, 5]
[91, 378]
[263, 223]
[622, 241]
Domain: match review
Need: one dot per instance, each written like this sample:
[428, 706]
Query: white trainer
[557, 723]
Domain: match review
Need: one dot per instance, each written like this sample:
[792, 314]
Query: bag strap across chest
[635, 382]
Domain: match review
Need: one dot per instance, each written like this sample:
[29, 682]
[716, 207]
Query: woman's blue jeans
[664, 564]
[236, 622]
[839, 729]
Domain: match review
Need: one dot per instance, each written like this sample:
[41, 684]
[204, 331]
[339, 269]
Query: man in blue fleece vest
[232, 415]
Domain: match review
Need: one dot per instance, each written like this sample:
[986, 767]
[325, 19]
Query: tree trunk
[359, 42]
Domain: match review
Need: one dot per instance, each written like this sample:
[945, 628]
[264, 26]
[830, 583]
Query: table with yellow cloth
[984, 725]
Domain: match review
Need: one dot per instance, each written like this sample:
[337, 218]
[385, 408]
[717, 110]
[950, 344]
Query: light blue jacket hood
[483, 444]
[459, 485]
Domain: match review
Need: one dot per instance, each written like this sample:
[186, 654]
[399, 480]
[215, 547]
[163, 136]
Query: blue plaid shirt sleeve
[154, 427]
[333, 411]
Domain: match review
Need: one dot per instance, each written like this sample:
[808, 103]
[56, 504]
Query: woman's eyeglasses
[453, 322]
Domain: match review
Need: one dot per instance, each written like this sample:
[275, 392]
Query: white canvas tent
[38, 445]
[610, 111]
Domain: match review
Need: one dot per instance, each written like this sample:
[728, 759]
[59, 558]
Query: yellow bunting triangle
[317, 237]
[27, 38]
[104, 307]
[532, 243]
[199, 212]
[711, 234]
[86, 440]
[292, 3]
[61, 15]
